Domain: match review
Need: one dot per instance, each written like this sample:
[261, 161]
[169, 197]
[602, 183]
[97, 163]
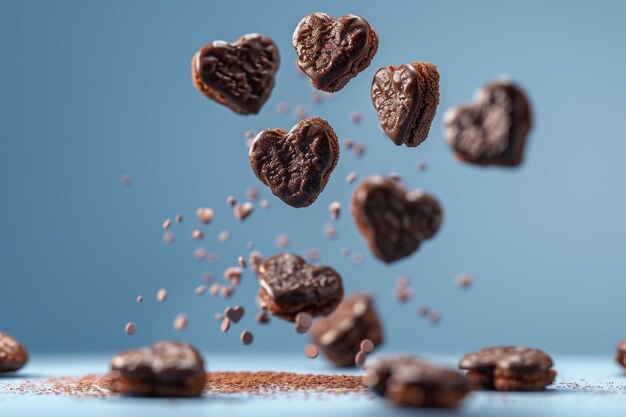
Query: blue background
[90, 91]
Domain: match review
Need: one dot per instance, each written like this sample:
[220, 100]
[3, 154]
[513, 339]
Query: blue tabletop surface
[585, 386]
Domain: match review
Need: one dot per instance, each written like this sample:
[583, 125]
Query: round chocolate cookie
[620, 356]
[13, 355]
[289, 285]
[410, 381]
[509, 368]
[166, 369]
[340, 335]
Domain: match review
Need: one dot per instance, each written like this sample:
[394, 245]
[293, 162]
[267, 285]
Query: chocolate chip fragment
[493, 129]
[166, 369]
[296, 165]
[225, 326]
[204, 214]
[412, 382]
[340, 336]
[333, 51]
[359, 358]
[246, 338]
[406, 98]
[509, 368]
[311, 351]
[180, 322]
[335, 209]
[242, 211]
[235, 314]
[367, 346]
[167, 224]
[395, 222]
[130, 328]
[289, 285]
[239, 75]
[161, 295]
[13, 355]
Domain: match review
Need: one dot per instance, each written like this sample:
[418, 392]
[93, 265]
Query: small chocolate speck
[167, 223]
[161, 295]
[130, 328]
[225, 325]
[311, 351]
[351, 177]
[246, 338]
[180, 322]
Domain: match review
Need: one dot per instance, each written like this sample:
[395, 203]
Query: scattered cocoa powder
[258, 383]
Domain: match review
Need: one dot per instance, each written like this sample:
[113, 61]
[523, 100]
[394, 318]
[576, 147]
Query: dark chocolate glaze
[394, 221]
[332, 51]
[241, 74]
[296, 165]
[493, 129]
[290, 280]
[13, 354]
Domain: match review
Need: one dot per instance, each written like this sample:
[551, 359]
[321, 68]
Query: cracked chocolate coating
[406, 98]
[296, 165]
[239, 75]
[414, 382]
[493, 129]
[13, 355]
[164, 369]
[339, 335]
[289, 285]
[333, 51]
[394, 222]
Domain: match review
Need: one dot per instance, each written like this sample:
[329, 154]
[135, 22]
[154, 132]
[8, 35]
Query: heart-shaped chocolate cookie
[394, 221]
[296, 165]
[239, 75]
[406, 98]
[289, 285]
[333, 51]
[493, 129]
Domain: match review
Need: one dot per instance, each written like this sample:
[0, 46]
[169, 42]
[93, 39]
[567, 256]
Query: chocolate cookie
[413, 382]
[239, 75]
[406, 98]
[509, 368]
[289, 285]
[166, 369]
[394, 221]
[620, 356]
[296, 165]
[13, 355]
[333, 51]
[339, 335]
[492, 130]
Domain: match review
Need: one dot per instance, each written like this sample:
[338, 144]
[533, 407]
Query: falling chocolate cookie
[239, 75]
[289, 285]
[409, 381]
[340, 335]
[493, 129]
[406, 98]
[333, 51]
[13, 355]
[166, 369]
[296, 165]
[509, 368]
[395, 222]
[620, 356]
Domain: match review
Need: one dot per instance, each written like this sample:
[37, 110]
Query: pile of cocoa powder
[257, 383]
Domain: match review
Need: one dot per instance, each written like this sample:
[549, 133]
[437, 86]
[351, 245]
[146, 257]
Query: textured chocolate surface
[509, 368]
[339, 335]
[414, 382]
[492, 130]
[289, 285]
[394, 221]
[406, 98]
[166, 369]
[296, 165]
[239, 75]
[13, 355]
[333, 51]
